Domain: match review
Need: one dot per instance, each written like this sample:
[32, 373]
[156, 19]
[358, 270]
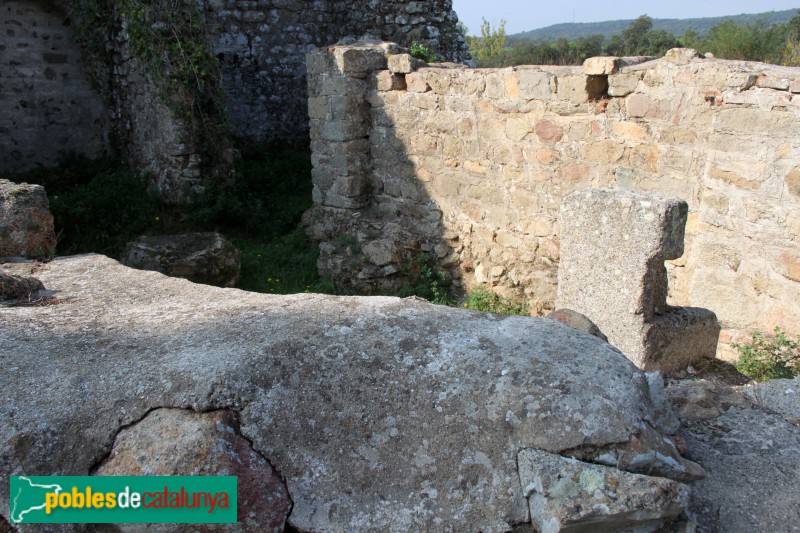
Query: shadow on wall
[479, 161]
[379, 228]
[411, 160]
[48, 106]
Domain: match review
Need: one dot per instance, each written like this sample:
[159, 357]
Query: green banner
[123, 499]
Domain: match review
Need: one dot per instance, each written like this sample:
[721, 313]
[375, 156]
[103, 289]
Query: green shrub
[98, 206]
[481, 299]
[769, 357]
[420, 51]
[271, 191]
[425, 281]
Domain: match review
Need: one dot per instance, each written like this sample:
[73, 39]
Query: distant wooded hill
[678, 27]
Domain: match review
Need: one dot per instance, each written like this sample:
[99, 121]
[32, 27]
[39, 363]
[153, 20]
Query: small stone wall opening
[596, 87]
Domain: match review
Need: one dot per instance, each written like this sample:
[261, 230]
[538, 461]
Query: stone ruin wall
[472, 165]
[262, 46]
[48, 105]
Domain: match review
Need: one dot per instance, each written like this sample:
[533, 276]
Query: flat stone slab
[570, 495]
[379, 413]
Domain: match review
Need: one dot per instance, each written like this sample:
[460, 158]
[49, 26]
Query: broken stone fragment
[570, 495]
[575, 320]
[207, 258]
[15, 287]
[704, 400]
[681, 56]
[180, 442]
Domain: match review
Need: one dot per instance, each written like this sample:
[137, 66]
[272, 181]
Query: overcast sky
[524, 15]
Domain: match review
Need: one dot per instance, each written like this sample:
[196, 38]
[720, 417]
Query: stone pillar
[339, 122]
[613, 246]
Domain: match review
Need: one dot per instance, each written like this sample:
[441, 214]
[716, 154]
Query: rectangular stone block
[572, 88]
[359, 60]
[773, 82]
[343, 130]
[600, 66]
[329, 199]
[318, 61]
[385, 80]
[403, 63]
[349, 107]
[349, 186]
[529, 85]
[318, 107]
[622, 84]
[416, 82]
[337, 85]
[680, 337]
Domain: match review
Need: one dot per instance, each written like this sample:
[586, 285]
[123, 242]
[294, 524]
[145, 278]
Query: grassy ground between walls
[101, 205]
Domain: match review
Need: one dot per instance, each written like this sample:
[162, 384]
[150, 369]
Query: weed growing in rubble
[769, 357]
[420, 51]
[481, 299]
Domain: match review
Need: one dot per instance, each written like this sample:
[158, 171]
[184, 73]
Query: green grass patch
[286, 264]
[99, 206]
[481, 299]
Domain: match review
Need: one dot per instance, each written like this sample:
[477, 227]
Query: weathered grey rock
[665, 420]
[613, 246]
[750, 455]
[379, 413]
[26, 224]
[703, 400]
[781, 396]
[15, 287]
[206, 258]
[575, 320]
[751, 458]
[179, 442]
[569, 495]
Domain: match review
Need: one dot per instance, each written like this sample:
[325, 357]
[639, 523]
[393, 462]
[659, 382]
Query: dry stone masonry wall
[47, 103]
[472, 166]
[262, 45]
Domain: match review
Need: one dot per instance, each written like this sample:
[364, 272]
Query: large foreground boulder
[379, 413]
[26, 224]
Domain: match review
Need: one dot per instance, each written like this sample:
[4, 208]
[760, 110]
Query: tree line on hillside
[778, 43]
